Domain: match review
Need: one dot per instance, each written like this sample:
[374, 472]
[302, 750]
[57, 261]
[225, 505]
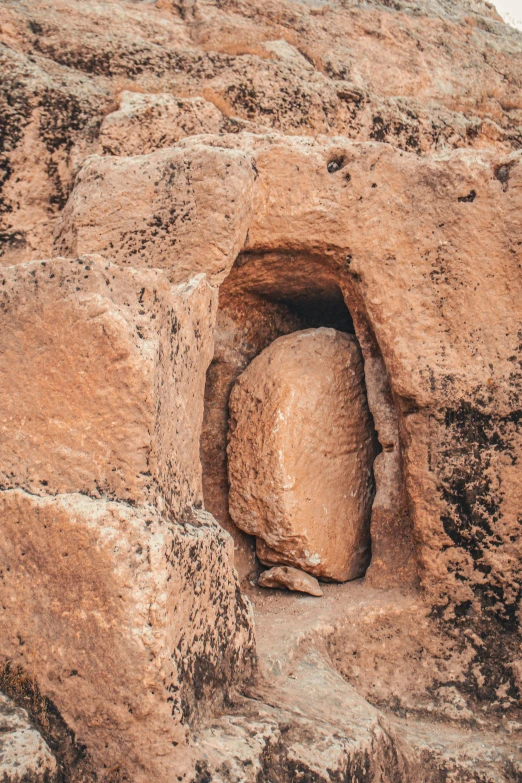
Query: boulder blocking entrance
[300, 454]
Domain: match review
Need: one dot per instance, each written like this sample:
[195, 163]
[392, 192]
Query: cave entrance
[264, 297]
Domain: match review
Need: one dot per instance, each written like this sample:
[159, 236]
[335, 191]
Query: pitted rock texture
[185, 212]
[402, 236]
[456, 372]
[301, 720]
[138, 623]
[287, 183]
[300, 454]
[423, 75]
[144, 123]
[24, 754]
[107, 565]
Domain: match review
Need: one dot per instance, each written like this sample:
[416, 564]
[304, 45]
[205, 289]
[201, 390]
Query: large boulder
[183, 211]
[301, 452]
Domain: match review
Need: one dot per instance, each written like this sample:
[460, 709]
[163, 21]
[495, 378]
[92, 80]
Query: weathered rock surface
[145, 123]
[24, 755]
[445, 400]
[291, 578]
[301, 719]
[301, 452]
[185, 212]
[423, 240]
[102, 379]
[126, 590]
[245, 325]
[448, 76]
[130, 623]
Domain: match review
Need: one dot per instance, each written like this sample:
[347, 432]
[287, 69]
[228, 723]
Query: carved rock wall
[120, 599]
[442, 364]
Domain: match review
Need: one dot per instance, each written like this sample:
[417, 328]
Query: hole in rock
[264, 298]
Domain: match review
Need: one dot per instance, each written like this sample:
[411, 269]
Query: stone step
[306, 721]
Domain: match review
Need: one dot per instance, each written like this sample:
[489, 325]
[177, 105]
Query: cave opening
[265, 297]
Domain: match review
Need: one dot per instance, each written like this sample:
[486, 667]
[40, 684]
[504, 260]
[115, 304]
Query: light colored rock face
[145, 123]
[24, 755]
[95, 360]
[185, 213]
[301, 452]
[291, 578]
[137, 622]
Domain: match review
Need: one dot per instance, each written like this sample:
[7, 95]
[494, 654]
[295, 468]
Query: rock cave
[264, 298]
[260, 378]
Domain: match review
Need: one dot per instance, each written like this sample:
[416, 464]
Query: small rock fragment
[292, 578]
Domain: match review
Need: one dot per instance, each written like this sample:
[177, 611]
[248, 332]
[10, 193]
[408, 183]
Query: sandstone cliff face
[424, 76]
[183, 183]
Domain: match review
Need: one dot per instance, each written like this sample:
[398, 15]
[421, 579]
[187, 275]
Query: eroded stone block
[183, 210]
[130, 624]
[102, 380]
[145, 123]
[301, 452]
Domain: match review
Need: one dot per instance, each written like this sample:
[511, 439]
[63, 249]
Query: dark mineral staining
[379, 129]
[502, 173]
[12, 239]
[335, 165]
[473, 493]
[62, 115]
[469, 198]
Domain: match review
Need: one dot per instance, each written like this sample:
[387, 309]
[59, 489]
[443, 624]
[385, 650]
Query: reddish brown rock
[103, 608]
[301, 452]
[185, 212]
[441, 369]
[144, 123]
[426, 251]
[447, 77]
[24, 755]
[292, 578]
[89, 354]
